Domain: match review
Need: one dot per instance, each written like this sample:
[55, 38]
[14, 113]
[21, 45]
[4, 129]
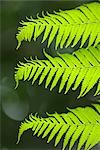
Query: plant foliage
[81, 67]
[67, 27]
[79, 123]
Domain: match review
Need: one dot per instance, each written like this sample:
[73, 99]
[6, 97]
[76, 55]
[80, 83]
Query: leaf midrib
[71, 124]
[61, 24]
[67, 67]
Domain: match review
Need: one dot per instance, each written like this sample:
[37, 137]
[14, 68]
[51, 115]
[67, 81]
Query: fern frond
[81, 67]
[67, 27]
[79, 123]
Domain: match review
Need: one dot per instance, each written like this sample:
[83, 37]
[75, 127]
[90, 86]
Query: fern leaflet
[67, 26]
[82, 123]
[81, 67]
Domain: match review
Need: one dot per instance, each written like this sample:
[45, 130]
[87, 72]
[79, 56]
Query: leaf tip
[19, 43]
[17, 83]
[17, 141]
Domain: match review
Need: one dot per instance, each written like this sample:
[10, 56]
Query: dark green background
[18, 104]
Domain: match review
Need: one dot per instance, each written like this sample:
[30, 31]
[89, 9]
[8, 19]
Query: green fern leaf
[66, 26]
[83, 67]
[79, 123]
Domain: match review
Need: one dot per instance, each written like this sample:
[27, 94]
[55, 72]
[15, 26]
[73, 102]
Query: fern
[67, 26]
[81, 67]
[79, 123]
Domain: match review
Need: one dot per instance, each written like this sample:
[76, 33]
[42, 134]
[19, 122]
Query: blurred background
[18, 104]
